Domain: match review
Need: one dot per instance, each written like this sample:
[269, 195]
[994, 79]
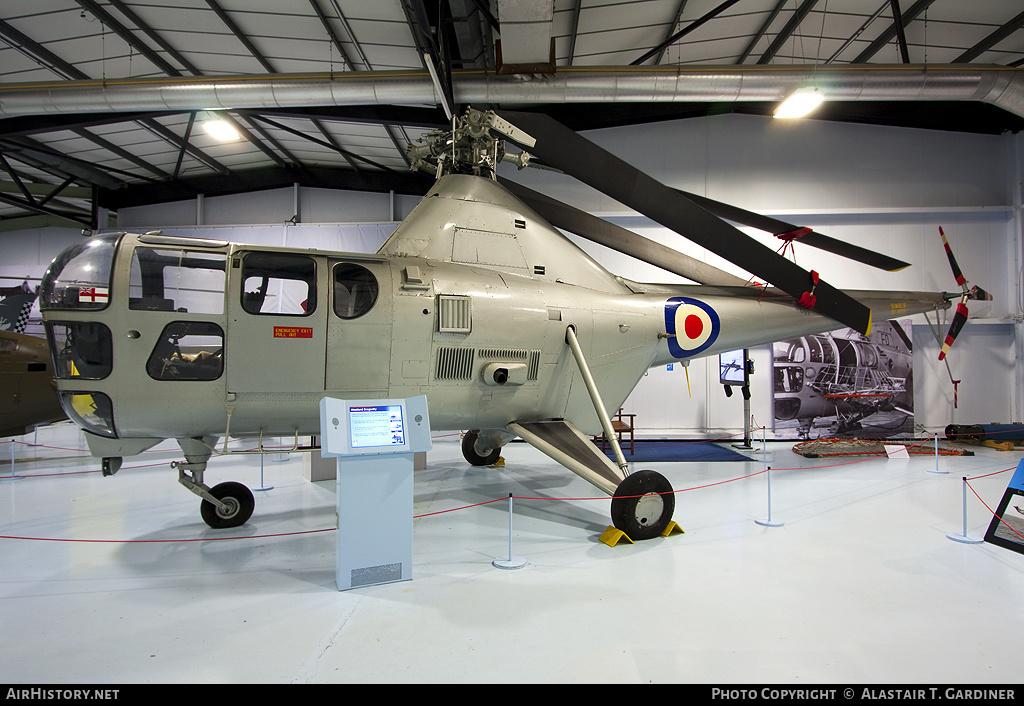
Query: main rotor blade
[564, 149]
[781, 228]
[600, 231]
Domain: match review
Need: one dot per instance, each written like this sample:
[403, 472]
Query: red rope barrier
[1001, 520]
[442, 512]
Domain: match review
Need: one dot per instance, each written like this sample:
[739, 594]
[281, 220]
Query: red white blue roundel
[695, 325]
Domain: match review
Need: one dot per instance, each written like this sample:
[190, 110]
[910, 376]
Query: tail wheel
[240, 504]
[643, 504]
[470, 454]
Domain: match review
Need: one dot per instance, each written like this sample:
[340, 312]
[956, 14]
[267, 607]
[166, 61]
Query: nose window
[80, 349]
[79, 278]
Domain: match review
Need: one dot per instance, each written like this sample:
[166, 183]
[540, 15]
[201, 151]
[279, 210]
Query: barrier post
[512, 562]
[964, 538]
[936, 457]
[768, 521]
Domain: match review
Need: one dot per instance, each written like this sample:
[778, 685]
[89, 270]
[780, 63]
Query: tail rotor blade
[960, 279]
[959, 319]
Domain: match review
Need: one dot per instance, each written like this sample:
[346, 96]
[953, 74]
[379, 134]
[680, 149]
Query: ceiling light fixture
[800, 102]
[219, 128]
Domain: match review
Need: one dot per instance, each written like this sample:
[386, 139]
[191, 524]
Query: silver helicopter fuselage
[468, 303]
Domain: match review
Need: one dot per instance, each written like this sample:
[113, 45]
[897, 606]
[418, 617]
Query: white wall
[887, 189]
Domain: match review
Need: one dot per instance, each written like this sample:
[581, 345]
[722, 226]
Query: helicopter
[477, 300]
[29, 393]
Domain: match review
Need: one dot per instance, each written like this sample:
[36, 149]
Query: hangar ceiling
[101, 101]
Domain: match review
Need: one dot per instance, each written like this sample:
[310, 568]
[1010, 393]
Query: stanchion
[937, 457]
[263, 486]
[964, 538]
[11, 476]
[512, 562]
[768, 521]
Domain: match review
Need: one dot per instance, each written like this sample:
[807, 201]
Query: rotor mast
[474, 145]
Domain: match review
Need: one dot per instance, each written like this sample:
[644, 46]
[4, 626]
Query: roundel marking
[695, 324]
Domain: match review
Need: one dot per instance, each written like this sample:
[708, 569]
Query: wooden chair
[622, 425]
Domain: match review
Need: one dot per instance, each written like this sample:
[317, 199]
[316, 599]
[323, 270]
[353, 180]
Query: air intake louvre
[454, 314]
[454, 364]
[533, 367]
[504, 353]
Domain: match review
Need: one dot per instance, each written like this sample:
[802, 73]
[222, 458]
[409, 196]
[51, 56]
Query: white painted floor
[860, 586]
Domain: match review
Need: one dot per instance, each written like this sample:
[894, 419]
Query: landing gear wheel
[470, 454]
[643, 505]
[240, 506]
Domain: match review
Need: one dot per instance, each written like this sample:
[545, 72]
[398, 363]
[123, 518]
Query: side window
[188, 350]
[355, 290]
[177, 280]
[277, 283]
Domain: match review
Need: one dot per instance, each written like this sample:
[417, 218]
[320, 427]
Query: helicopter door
[359, 326]
[277, 326]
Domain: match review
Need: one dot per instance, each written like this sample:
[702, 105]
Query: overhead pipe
[996, 85]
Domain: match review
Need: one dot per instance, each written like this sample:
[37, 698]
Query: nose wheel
[643, 504]
[236, 507]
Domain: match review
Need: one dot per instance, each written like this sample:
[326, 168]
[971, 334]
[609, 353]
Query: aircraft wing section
[567, 445]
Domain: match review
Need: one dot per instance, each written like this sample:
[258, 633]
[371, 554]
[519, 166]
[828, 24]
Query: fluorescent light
[220, 129]
[801, 102]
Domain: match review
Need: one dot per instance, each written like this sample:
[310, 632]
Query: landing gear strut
[224, 505]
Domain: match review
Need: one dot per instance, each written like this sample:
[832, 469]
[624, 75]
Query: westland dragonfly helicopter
[476, 301]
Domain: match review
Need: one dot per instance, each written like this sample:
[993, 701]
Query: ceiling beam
[120, 152]
[47, 191]
[671, 28]
[887, 34]
[335, 40]
[240, 35]
[901, 35]
[787, 31]
[762, 31]
[991, 40]
[126, 34]
[154, 36]
[696, 24]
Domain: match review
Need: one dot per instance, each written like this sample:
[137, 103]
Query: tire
[643, 504]
[238, 497]
[470, 454]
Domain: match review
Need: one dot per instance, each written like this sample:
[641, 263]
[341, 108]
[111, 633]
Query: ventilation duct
[999, 86]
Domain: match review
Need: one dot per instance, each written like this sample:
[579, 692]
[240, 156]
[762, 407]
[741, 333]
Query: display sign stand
[374, 442]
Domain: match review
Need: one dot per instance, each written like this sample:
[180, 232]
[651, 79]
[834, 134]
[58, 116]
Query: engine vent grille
[504, 353]
[454, 363]
[533, 367]
[454, 314]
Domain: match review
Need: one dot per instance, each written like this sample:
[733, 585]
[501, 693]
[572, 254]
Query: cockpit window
[279, 283]
[79, 278]
[177, 280]
[355, 290]
[80, 349]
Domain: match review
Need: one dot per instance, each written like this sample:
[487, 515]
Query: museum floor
[860, 585]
